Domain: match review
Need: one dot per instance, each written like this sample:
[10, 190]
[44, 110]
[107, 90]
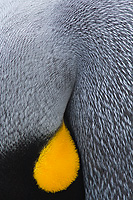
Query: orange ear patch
[58, 164]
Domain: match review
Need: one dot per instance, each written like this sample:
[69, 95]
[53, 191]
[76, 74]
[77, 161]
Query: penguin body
[66, 59]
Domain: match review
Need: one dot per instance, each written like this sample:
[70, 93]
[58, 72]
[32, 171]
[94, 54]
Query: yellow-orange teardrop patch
[58, 164]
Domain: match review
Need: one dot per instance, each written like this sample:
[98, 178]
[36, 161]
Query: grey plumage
[50, 50]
